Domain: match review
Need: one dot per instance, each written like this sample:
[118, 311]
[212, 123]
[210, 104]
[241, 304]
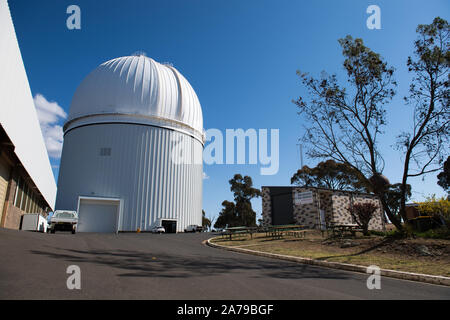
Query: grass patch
[442, 233]
[385, 252]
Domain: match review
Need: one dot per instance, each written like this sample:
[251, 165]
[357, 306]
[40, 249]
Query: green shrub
[377, 233]
[362, 213]
[439, 233]
[389, 234]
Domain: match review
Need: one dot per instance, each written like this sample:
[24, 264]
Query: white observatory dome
[132, 151]
[137, 89]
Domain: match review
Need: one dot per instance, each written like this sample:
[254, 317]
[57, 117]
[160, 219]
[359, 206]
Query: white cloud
[205, 176]
[50, 115]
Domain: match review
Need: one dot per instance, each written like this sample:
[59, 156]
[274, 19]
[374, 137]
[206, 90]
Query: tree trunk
[396, 222]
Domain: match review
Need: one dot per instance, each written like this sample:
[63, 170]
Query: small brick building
[315, 207]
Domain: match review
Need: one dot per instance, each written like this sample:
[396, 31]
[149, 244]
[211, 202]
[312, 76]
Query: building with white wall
[132, 152]
[27, 184]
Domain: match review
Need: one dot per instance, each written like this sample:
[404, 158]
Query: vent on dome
[139, 53]
[105, 152]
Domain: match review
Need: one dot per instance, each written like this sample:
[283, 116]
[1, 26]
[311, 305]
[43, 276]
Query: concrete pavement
[173, 266]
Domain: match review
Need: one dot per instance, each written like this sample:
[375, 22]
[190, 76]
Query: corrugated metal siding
[139, 170]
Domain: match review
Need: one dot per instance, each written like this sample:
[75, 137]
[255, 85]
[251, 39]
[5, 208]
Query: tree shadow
[378, 245]
[145, 264]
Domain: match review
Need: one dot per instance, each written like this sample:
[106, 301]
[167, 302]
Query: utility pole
[301, 154]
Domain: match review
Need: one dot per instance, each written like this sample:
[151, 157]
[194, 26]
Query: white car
[191, 228]
[63, 220]
[158, 229]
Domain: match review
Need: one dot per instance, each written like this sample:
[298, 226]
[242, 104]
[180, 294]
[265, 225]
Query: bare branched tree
[344, 122]
[427, 145]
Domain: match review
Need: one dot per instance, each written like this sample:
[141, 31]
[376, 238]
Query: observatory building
[132, 153]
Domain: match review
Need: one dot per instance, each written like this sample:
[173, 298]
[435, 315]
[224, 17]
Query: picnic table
[342, 229]
[239, 230]
[277, 232]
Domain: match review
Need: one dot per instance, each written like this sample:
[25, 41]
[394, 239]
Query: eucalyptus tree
[426, 145]
[344, 122]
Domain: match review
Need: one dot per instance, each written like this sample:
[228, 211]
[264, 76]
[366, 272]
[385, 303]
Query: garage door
[282, 205]
[4, 178]
[98, 215]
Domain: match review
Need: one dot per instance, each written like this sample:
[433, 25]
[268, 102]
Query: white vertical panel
[17, 111]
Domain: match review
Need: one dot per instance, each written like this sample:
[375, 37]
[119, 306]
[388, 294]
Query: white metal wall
[17, 112]
[134, 163]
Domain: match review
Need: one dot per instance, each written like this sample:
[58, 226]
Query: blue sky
[240, 57]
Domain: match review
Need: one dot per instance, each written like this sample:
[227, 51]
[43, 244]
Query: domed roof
[136, 89]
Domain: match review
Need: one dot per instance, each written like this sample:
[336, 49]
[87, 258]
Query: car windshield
[65, 215]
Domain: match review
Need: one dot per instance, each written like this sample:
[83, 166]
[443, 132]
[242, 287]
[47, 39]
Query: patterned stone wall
[335, 204]
[342, 201]
[307, 214]
[326, 204]
[266, 206]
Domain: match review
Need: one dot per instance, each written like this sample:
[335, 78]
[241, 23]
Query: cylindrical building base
[137, 164]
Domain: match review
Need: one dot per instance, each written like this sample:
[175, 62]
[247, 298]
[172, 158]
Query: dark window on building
[19, 193]
[26, 197]
[23, 199]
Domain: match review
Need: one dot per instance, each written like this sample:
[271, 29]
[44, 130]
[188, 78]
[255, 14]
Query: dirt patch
[412, 248]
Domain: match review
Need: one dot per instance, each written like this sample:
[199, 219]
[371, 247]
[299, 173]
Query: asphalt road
[173, 266]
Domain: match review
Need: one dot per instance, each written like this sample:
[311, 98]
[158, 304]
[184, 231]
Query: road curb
[440, 280]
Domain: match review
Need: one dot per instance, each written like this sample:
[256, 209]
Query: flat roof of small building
[324, 189]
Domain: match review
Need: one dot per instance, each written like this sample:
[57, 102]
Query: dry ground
[427, 256]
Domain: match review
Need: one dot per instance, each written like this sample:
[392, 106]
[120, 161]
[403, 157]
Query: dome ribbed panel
[189, 114]
[168, 94]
